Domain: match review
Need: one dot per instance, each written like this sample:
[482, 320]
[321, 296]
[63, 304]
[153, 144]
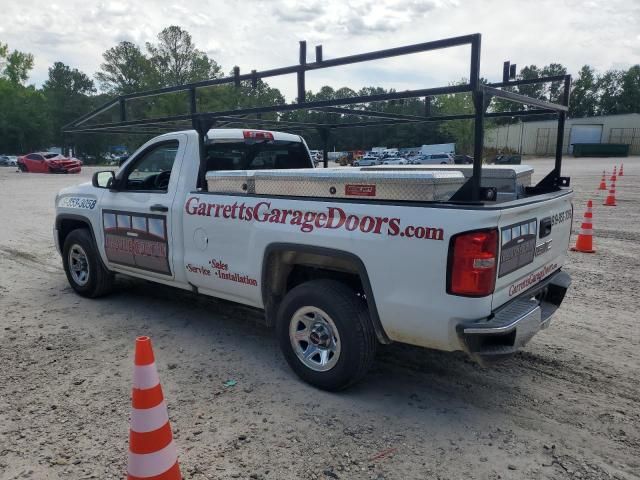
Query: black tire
[99, 280]
[351, 318]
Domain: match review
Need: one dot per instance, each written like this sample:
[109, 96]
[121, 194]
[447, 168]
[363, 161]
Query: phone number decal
[561, 217]
[78, 202]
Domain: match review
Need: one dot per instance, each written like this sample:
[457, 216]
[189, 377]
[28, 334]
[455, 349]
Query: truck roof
[238, 134]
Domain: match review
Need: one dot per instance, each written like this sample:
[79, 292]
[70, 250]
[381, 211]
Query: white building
[539, 138]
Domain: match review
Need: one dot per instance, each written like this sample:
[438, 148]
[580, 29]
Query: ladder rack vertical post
[561, 121]
[478, 128]
[301, 70]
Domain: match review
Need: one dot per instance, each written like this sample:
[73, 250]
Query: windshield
[235, 155]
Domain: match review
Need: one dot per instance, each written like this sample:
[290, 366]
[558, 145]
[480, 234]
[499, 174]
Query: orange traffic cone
[152, 453]
[584, 243]
[614, 176]
[603, 182]
[621, 174]
[611, 198]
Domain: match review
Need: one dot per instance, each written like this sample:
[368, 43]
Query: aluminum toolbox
[356, 183]
[510, 180]
[230, 181]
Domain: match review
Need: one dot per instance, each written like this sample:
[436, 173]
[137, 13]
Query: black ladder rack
[251, 116]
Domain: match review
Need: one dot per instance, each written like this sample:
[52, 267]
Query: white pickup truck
[339, 259]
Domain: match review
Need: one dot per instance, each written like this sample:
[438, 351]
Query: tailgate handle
[545, 227]
[158, 208]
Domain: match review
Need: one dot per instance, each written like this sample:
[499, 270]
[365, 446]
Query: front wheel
[85, 271]
[325, 334]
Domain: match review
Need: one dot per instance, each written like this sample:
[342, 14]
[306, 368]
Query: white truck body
[231, 245]
[438, 148]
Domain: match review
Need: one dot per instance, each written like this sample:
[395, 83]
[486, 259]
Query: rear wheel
[325, 334]
[85, 271]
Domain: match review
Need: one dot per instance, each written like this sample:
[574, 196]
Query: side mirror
[103, 179]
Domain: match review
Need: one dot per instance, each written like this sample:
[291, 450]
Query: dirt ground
[567, 406]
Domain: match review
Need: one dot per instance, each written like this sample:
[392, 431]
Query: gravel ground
[565, 407]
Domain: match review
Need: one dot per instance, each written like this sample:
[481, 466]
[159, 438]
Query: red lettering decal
[394, 227]
[336, 212]
[188, 208]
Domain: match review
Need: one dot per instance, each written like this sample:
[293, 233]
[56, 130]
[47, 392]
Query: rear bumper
[511, 326]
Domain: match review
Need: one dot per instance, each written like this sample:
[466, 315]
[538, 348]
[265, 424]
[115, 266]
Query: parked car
[4, 161]
[508, 159]
[367, 161]
[433, 159]
[462, 159]
[395, 161]
[48, 162]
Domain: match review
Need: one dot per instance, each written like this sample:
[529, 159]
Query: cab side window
[152, 170]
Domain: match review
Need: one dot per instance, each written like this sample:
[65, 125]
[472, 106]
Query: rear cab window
[257, 155]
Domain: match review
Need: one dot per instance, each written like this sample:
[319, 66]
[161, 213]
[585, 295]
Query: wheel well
[284, 269]
[67, 225]
[301, 273]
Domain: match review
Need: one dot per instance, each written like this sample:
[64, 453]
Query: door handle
[545, 227]
[158, 208]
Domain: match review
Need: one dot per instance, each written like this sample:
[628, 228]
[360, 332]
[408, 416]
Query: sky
[259, 34]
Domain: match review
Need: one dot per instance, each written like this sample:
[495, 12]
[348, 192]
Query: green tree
[609, 86]
[24, 123]
[584, 95]
[554, 90]
[630, 94]
[15, 65]
[535, 90]
[178, 61]
[459, 131]
[67, 92]
[126, 70]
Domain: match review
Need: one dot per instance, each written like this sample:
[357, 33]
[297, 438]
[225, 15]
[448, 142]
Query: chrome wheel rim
[315, 339]
[78, 265]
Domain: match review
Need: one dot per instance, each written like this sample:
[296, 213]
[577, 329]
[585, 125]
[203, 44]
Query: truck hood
[85, 189]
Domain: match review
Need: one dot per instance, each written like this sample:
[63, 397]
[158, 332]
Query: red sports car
[46, 162]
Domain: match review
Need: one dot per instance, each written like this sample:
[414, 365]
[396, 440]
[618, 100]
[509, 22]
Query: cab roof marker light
[257, 135]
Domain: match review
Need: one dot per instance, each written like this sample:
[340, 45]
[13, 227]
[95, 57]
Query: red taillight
[257, 135]
[472, 263]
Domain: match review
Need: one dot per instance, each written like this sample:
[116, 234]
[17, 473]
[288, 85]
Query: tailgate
[534, 239]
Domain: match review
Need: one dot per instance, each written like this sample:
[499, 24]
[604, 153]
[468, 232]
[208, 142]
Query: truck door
[136, 216]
